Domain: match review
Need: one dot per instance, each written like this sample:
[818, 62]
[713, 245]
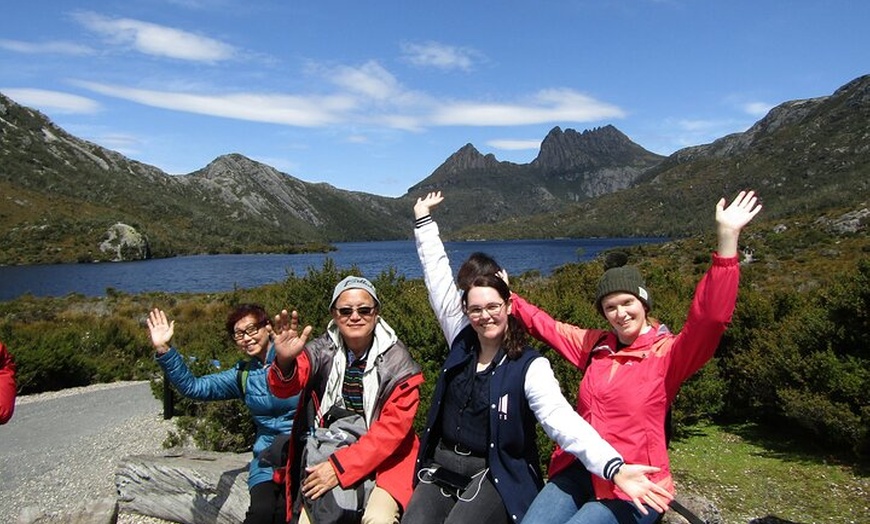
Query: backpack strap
[242, 369]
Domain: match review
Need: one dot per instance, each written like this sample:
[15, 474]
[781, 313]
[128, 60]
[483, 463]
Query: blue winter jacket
[272, 415]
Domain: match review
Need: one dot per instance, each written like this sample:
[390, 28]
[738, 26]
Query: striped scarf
[352, 387]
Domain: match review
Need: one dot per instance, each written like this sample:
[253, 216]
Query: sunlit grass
[749, 474]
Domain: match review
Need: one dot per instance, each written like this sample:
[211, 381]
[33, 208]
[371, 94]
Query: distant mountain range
[65, 199]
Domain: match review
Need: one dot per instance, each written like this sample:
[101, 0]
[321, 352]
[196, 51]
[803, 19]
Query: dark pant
[268, 504]
[478, 503]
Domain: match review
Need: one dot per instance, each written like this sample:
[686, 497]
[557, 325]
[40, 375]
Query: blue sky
[374, 95]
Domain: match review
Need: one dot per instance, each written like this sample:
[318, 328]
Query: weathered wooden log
[186, 486]
[196, 487]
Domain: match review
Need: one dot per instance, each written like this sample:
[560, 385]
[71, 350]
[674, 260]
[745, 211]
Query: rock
[700, 506]
[104, 511]
[185, 486]
[126, 243]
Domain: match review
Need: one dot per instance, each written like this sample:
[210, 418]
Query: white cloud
[441, 56]
[54, 47]
[157, 40]
[119, 141]
[303, 111]
[367, 95]
[699, 126]
[679, 133]
[370, 80]
[757, 109]
[514, 145]
[551, 105]
[53, 101]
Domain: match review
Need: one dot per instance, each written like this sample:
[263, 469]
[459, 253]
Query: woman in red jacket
[632, 374]
[7, 385]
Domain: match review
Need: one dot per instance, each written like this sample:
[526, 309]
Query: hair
[475, 265]
[243, 310]
[515, 337]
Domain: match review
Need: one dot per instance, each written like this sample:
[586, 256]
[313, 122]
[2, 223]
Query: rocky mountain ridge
[805, 156]
[64, 195]
[81, 195]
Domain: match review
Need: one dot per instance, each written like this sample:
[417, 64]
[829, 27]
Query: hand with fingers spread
[731, 220]
[426, 203]
[161, 330]
[633, 481]
[289, 342]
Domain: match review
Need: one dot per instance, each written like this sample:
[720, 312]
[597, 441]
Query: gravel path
[61, 449]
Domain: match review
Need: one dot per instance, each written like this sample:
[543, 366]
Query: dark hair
[243, 310]
[476, 264]
[515, 337]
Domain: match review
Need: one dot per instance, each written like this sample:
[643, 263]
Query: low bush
[794, 355]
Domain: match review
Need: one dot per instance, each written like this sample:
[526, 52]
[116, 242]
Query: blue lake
[216, 273]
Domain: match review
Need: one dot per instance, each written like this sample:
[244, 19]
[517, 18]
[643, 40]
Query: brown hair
[476, 264]
[243, 310]
[515, 337]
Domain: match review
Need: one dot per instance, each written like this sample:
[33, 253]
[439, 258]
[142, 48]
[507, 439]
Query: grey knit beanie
[353, 282]
[619, 278]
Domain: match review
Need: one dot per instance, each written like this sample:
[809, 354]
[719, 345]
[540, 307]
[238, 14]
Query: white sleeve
[564, 425]
[444, 296]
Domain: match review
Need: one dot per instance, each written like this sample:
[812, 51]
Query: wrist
[612, 469]
[162, 349]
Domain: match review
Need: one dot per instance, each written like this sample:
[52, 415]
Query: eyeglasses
[475, 312]
[250, 330]
[362, 311]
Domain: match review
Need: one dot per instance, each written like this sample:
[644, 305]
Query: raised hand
[425, 204]
[289, 343]
[731, 220]
[633, 481]
[161, 330]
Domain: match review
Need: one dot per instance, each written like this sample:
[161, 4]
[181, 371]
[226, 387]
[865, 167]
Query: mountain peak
[467, 157]
[593, 148]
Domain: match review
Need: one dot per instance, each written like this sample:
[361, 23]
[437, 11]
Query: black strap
[686, 513]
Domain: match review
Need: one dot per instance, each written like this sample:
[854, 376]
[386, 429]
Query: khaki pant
[380, 509]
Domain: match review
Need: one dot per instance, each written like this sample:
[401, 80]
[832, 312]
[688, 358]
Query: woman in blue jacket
[247, 325]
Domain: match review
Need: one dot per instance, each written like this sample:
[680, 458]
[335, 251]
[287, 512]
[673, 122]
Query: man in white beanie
[359, 367]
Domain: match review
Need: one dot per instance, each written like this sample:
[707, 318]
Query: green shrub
[795, 355]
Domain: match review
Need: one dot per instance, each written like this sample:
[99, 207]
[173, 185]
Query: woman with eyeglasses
[248, 326]
[478, 459]
[357, 367]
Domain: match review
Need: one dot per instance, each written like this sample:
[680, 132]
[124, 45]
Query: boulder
[103, 511]
[186, 486]
[697, 505]
[125, 243]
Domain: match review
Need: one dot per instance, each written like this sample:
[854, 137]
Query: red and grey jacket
[389, 447]
[7, 385]
[625, 394]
